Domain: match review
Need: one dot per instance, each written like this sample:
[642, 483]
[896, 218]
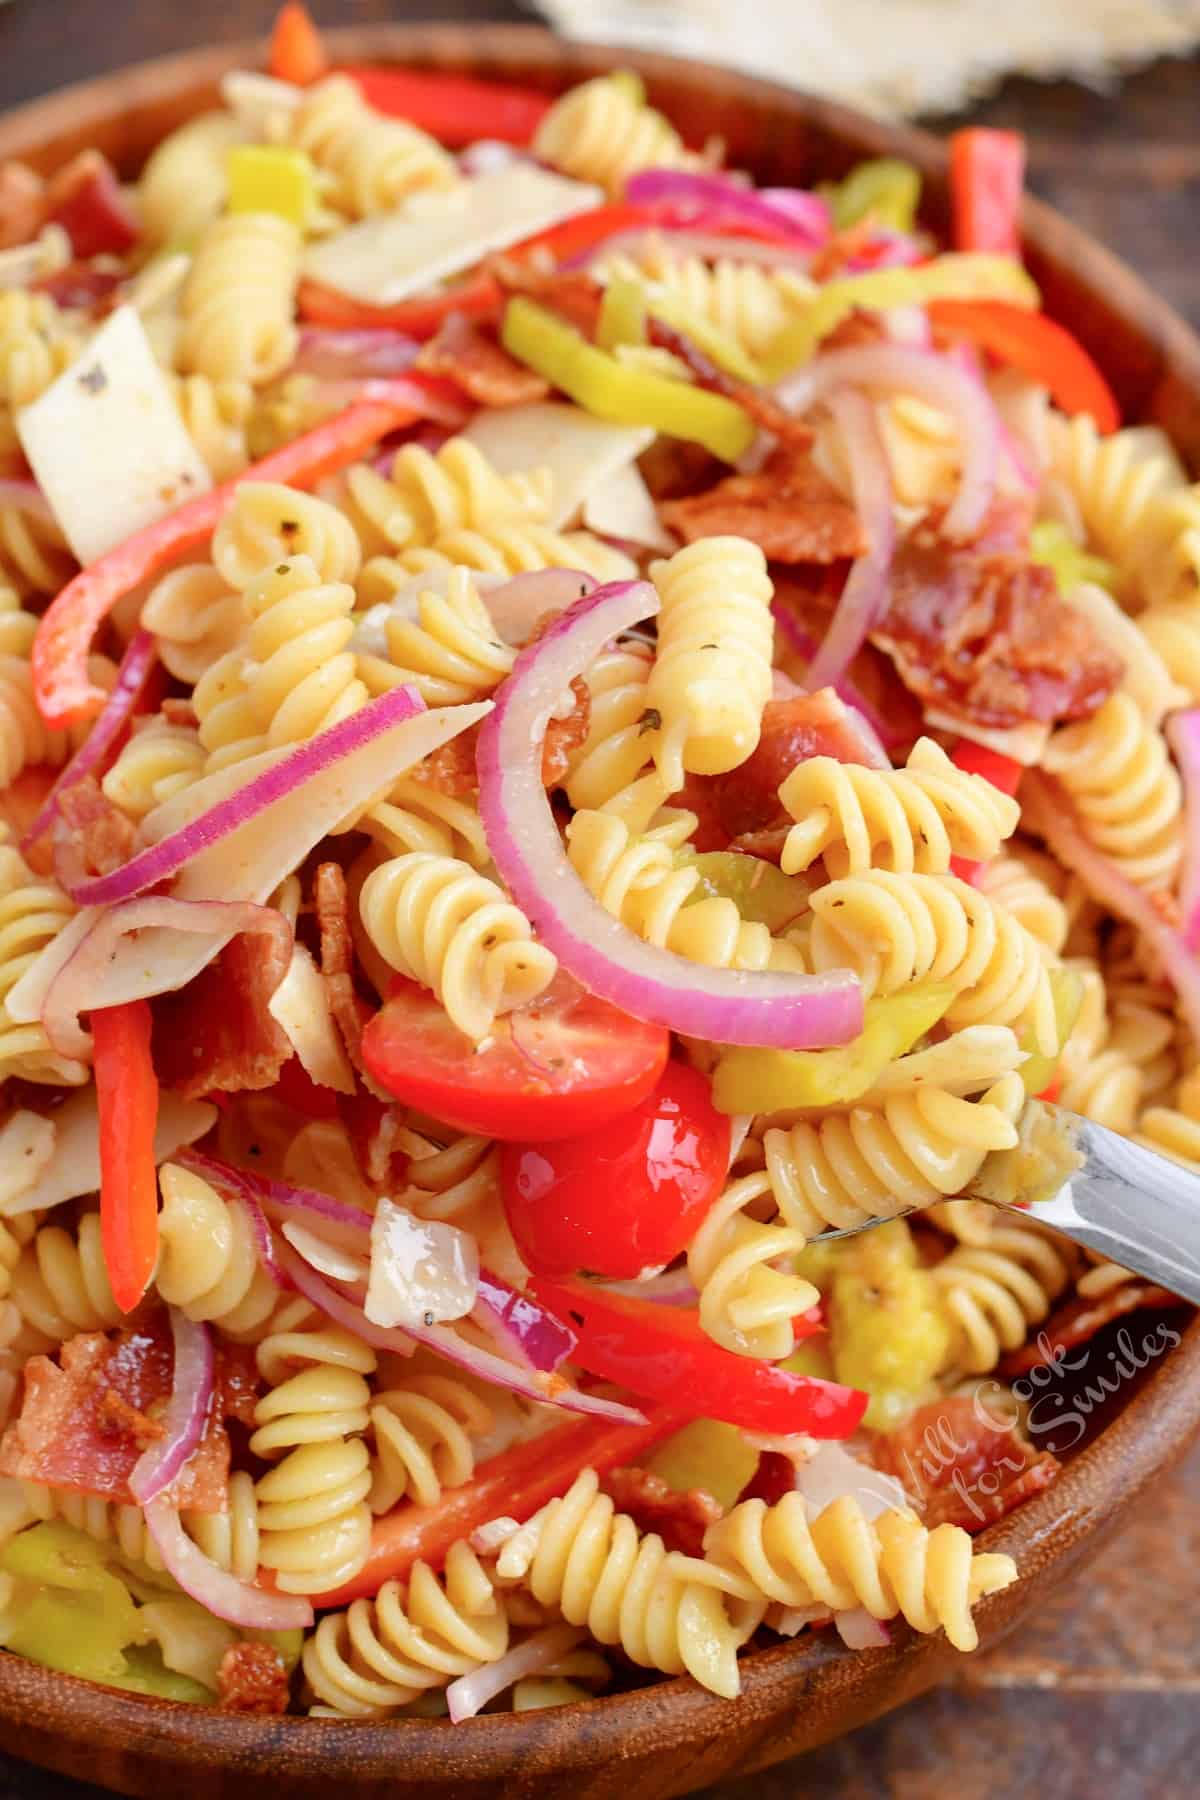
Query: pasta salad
[568, 724]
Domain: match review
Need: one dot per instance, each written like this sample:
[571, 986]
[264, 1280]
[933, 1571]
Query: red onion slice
[230, 1184]
[859, 1631]
[137, 665]
[340, 1222]
[342, 355]
[724, 1006]
[549, 1390]
[470, 1693]
[160, 861]
[186, 1411]
[1183, 733]
[516, 607]
[804, 217]
[237, 1602]
[933, 378]
[540, 1340]
[81, 982]
[1049, 813]
[865, 595]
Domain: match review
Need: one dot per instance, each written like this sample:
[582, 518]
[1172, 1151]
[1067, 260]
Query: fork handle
[1127, 1203]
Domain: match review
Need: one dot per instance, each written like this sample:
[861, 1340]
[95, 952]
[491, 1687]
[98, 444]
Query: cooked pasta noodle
[195, 617]
[229, 1538]
[158, 761]
[33, 910]
[994, 1292]
[216, 414]
[423, 1434]
[266, 523]
[747, 1300]
[447, 926]
[185, 183]
[749, 304]
[60, 1285]
[208, 1259]
[1022, 883]
[712, 667]
[450, 652]
[1119, 777]
[504, 547]
[1114, 485]
[239, 297]
[376, 162]
[603, 131]
[910, 819]
[615, 750]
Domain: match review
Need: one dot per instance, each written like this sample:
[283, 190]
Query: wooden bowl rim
[1095, 1489]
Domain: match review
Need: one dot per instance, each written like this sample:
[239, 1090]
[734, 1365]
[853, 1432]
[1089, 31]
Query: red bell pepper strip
[455, 109]
[297, 53]
[987, 174]
[1039, 347]
[419, 317]
[1002, 771]
[573, 237]
[664, 1353]
[62, 687]
[127, 1103]
[512, 1485]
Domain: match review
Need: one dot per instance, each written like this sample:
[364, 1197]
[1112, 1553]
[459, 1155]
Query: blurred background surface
[1098, 1697]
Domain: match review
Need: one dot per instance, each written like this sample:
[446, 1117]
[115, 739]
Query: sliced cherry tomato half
[627, 1196]
[664, 1353]
[564, 1064]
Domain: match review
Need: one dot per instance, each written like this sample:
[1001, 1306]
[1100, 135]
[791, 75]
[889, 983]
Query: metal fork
[1112, 1196]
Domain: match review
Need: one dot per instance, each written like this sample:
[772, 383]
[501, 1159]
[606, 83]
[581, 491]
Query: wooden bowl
[673, 1737]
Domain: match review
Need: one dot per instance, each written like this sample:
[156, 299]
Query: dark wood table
[1100, 1694]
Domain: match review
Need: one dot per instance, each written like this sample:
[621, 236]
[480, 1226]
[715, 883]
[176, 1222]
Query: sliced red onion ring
[237, 1602]
[470, 1693]
[281, 779]
[933, 378]
[340, 1222]
[725, 1006]
[804, 217]
[76, 987]
[712, 246]
[1049, 813]
[865, 596]
[859, 1631]
[516, 607]
[540, 1340]
[186, 1411]
[805, 645]
[1183, 733]
[550, 1390]
[343, 355]
[230, 1183]
[137, 664]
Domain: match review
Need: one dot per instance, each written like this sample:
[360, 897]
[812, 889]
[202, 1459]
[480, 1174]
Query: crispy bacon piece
[251, 1678]
[350, 1011]
[451, 770]
[673, 469]
[571, 293]
[789, 509]
[788, 427]
[745, 802]
[855, 331]
[481, 367]
[215, 1035]
[102, 834]
[960, 1466]
[774, 1477]
[85, 198]
[116, 1418]
[69, 1431]
[239, 1382]
[982, 633]
[1079, 1319]
[681, 1520]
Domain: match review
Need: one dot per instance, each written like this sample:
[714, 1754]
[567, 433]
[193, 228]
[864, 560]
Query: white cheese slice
[74, 1168]
[580, 451]
[620, 506]
[262, 106]
[107, 444]
[433, 235]
[1025, 743]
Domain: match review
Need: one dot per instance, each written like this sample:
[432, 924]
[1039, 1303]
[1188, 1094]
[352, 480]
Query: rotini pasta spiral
[603, 131]
[1170, 569]
[748, 1300]
[216, 414]
[185, 182]
[1022, 883]
[893, 930]
[637, 880]
[1114, 485]
[907, 820]
[158, 761]
[505, 547]
[875, 1163]
[33, 551]
[615, 750]
[267, 523]
[447, 926]
[208, 1262]
[60, 1285]
[423, 1432]
[1174, 630]
[379, 1654]
[417, 816]
[591, 1562]
[37, 342]
[994, 1292]
[747, 303]
[376, 162]
[33, 910]
[25, 737]
[195, 618]
[433, 493]
[239, 299]
[18, 628]
[450, 652]
[889, 1565]
[295, 675]
[313, 1517]
[1118, 774]
[229, 1538]
[712, 667]
[1098, 1079]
